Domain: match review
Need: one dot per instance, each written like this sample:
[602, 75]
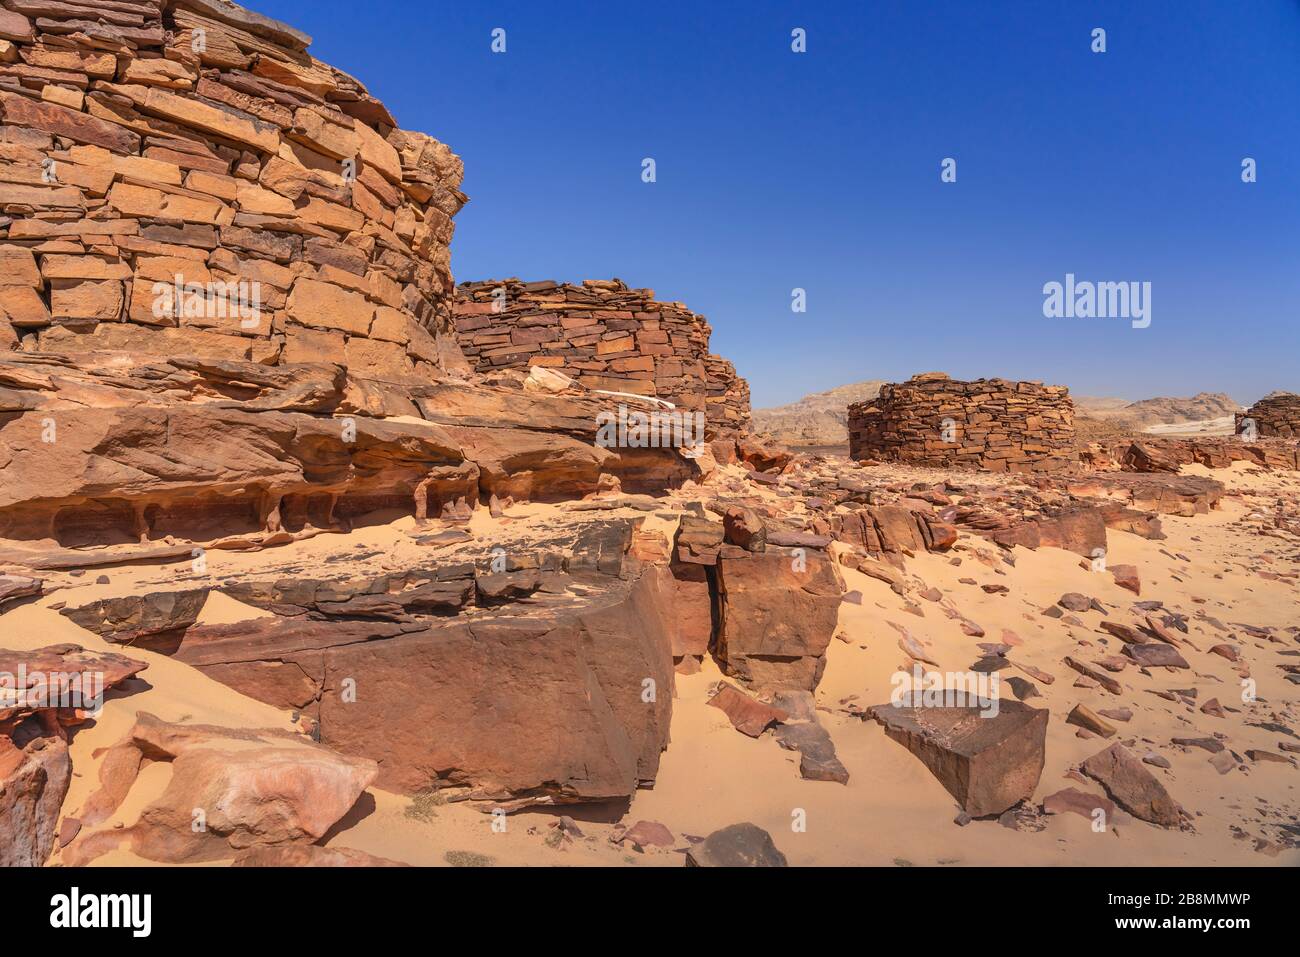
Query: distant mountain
[820, 419]
[1095, 415]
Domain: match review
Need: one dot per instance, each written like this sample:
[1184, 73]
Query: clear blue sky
[821, 170]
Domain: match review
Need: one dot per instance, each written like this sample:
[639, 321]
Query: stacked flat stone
[993, 424]
[145, 140]
[1275, 416]
[606, 336]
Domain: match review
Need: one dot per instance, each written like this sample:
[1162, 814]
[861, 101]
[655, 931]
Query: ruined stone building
[993, 424]
[605, 335]
[1275, 416]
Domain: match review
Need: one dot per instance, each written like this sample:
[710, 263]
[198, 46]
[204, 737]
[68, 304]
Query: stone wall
[605, 335]
[151, 146]
[993, 424]
[1274, 416]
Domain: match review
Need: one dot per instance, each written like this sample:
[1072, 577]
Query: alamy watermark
[661, 429]
[1098, 300]
[209, 300]
[946, 689]
[25, 689]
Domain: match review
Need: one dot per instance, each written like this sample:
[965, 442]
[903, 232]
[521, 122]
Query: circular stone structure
[995, 424]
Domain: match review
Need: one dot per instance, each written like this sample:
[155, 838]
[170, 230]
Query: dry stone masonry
[993, 424]
[181, 177]
[1274, 416]
[605, 335]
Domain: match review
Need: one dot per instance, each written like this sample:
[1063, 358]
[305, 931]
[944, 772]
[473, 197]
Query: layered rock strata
[549, 680]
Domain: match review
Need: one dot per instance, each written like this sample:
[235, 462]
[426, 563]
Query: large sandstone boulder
[1133, 787]
[230, 790]
[557, 700]
[988, 763]
[778, 612]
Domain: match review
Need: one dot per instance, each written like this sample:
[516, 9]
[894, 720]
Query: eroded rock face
[34, 778]
[134, 471]
[254, 788]
[42, 693]
[988, 763]
[458, 676]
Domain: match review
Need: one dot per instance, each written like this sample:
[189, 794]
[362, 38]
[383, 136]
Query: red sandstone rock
[1132, 786]
[255, 789]
[988, 763]
[778, 613]
[747, 715]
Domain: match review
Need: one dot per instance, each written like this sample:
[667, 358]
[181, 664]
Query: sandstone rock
[817, 758]
[1132, 786]
[547, 705]
[1086, 718]
[778, 613]
[644, 834]
[18, 586]
[1082, 803]
[1126, 576]
[42, 692]
[34, 780]
[987, 763]
[1156, 655]
[740, 845]
[743, 528]
[747, 715]
[256, 788]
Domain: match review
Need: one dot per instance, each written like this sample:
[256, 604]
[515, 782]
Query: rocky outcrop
[548, 682]
[1149, 455]
[773, 608]
[991, 424]
[42, 694]
[157, 457]
[606, 336]
[229, 790]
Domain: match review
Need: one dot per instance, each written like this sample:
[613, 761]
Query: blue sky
[821, 171]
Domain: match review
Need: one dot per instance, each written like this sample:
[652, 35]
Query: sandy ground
[892, 811]
[1224, 425]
